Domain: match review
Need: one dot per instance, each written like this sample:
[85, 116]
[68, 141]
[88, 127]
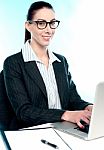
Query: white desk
[80, 144]
[31, 139]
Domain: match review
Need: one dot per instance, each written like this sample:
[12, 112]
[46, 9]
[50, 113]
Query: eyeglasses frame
[47, 22]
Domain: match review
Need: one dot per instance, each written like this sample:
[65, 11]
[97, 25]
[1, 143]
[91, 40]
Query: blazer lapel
[34, 73]
[60, 76]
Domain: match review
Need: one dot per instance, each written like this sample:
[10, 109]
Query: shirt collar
[29, 54]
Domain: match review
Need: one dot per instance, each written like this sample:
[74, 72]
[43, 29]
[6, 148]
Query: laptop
[96, 127]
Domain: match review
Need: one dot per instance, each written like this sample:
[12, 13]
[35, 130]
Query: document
[32, 139]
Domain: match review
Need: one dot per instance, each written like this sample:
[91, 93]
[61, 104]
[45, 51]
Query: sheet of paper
[47, 125]
[31, 139]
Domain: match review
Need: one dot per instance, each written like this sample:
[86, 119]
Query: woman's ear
[28, 26]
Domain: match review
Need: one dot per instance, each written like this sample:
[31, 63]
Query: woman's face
[42, 37]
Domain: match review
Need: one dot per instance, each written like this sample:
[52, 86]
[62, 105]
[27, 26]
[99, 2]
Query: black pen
[50, 144]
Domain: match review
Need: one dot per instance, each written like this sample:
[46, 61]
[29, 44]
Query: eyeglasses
[42, 24]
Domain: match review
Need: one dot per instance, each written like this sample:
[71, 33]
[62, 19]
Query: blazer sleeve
[20, 100]
[76, 103]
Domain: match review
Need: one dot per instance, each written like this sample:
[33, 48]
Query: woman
[37, 80]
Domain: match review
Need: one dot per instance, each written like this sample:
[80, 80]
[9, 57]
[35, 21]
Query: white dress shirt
[47, 74]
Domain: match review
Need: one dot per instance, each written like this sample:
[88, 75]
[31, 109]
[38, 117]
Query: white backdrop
[80, 37]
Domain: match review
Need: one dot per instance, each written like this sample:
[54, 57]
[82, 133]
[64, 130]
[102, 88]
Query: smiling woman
[38, 82]
[79, 36]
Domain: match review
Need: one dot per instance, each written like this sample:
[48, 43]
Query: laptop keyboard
[85, 129]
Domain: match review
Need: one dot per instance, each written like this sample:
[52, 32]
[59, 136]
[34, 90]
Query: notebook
[30, 139]
[96, 127]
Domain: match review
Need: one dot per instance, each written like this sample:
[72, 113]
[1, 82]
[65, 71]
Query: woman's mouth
[46, 38]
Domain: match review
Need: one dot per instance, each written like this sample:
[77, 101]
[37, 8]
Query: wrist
[66, 116]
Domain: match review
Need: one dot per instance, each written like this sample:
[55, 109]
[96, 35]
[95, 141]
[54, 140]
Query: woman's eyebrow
[45, 20]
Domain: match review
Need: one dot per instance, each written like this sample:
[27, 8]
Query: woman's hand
[76, 116]
[89, 108]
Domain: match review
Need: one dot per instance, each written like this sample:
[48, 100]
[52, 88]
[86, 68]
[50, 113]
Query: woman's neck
[41, 52]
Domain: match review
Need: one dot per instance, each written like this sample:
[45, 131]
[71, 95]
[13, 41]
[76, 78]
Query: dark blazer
[8, 119]
[27, 93]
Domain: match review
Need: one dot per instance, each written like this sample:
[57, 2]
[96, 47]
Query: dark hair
[32, 10]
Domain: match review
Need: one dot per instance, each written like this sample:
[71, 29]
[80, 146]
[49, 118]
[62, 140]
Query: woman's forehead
[44, 13]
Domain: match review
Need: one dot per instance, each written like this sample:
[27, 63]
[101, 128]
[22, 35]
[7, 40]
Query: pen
[50, 144]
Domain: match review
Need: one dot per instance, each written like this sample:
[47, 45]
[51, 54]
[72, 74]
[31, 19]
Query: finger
[85, 121]
[87, 115]
[80, 124]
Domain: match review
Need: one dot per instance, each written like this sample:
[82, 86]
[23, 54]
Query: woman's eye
[42, 23]
[53, 22]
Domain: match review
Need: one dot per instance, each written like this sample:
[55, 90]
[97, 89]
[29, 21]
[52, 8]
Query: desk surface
[80, 144]
[31, 139]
